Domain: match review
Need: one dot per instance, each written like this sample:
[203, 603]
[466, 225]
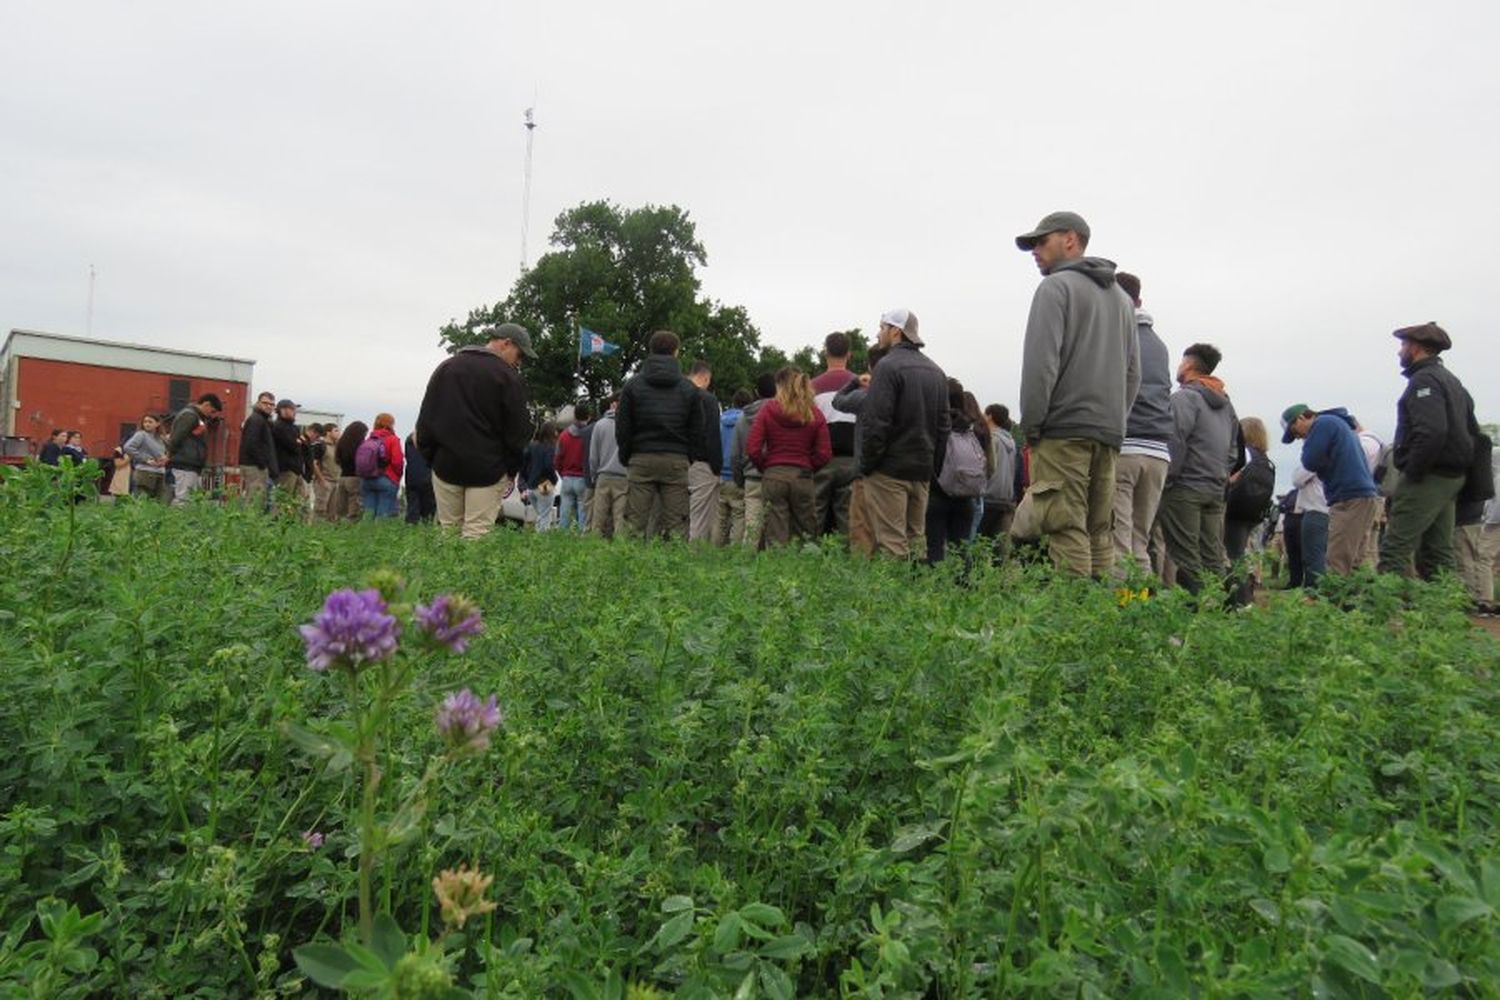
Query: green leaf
[579, 986]
[387, 940]
[1277, 860]
[762, 915]
[727, 936]
[778, 985]
[365, 979]
[1441, 974]
[674, 930]
[1268, 911]
[320, 745]
[784, 949]
[911, 837]
[365, 957]
[673, 904]
[324, 964]
[1454, 911]
[1351, 956]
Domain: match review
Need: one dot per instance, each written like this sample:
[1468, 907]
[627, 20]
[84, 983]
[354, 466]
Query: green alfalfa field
[721, 774]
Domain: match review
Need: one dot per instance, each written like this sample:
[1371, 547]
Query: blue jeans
[1314, 546]
[378, 496]
[570, 492]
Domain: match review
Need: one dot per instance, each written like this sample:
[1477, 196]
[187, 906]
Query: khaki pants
[1193, 523]
[755, 512]
[897, 513]
[657, 480]
[861, 539]
[729, 525]
[345, 504]
[1139, 480]
[472, 509]
[1072, 493]
[607, 517]
[150, 484]
[322, 491]
[292, 482]
[834, 484]
[1476, 547]
[1349, 524]
[255, 487]
[703, 501]
[184, 483]
[1421, 522]
[791, 504]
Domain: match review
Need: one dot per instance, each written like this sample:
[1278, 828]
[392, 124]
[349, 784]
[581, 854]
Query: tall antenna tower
[530, 119]
[89, 323]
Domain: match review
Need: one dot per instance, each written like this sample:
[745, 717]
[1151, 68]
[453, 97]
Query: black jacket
[187, 450]
[903, 426]
[710, 449]
[288, 438]
[257, 447]
[1435, 424]
[660, 413]
[473, 425]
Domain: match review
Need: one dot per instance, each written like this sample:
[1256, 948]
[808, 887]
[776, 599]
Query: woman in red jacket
[788, 442]
[378, 492]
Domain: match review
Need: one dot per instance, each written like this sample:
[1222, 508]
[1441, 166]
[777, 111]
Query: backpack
[370, 458]
[1250, 497]
[1385, 470]
[963, 466]
[1479, 484]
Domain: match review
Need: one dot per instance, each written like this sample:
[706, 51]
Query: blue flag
[590, 342]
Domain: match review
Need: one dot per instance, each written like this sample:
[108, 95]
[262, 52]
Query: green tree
[623, 273]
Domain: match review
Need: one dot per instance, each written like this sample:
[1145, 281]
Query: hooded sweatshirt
[604, 455]
[659, 413]
[1080, 364]
[740, 467]
[1332, 451]
[728, 420]
[1205, 442]
[1148, 427]
[572, 453]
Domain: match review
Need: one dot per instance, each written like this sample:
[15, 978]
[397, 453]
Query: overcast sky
[319, 186]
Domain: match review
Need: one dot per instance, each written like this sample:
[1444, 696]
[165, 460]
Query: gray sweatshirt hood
[1100, 271]
[1216, 400]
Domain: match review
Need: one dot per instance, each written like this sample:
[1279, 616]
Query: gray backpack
[963, 466]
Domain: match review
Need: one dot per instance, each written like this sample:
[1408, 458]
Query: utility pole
[530, 121]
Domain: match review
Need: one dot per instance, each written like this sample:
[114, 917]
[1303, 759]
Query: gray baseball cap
[516, 334]
[1056, 222]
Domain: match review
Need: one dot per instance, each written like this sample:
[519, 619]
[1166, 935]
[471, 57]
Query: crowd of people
[1120, 460]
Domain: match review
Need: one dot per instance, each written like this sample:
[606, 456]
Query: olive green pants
[1419, 531]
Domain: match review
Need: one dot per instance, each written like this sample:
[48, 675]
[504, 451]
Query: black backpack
[1250, 496]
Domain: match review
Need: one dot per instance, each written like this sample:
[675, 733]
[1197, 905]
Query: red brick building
[102, 388]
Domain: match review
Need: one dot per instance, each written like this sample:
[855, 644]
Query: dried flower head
[353, 629]
[449, 621]
[464, 722]
[460, 894]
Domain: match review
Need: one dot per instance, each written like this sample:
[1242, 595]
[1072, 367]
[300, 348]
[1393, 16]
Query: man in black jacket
[290, 460]
[473, 428]
[187, 447]
[258, 466]
[1433, 448]
[703, 473]
[903, 431]
[659, 431]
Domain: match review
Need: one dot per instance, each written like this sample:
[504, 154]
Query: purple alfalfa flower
[449, 621]
[353, 629]
[313, 839]
[464, 722]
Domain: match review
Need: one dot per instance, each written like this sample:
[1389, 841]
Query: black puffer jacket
[660, 413]
[1434, 423]
[903, 426]
[256, 445]
[473, 426]
[710, 449]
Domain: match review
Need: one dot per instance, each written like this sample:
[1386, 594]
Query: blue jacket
[727, 421]
[1332, 450]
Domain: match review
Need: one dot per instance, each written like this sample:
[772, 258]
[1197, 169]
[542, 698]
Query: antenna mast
[530, 121]
[89, 324]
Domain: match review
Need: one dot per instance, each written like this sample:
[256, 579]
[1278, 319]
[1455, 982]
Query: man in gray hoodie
[1206, 448]
[1080, 370]
[608, 474]
[1141, 472]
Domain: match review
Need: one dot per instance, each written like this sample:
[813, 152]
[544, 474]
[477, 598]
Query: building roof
[115, 354]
